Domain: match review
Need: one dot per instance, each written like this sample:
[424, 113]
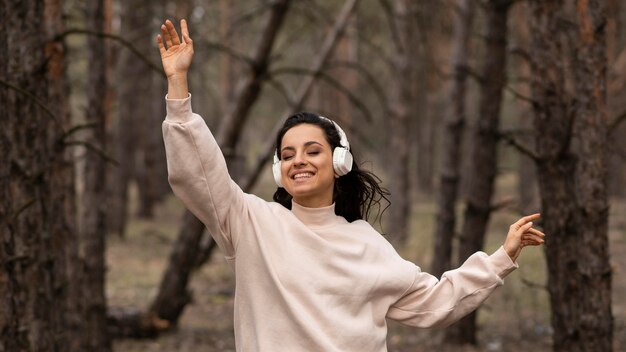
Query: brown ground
[515, 318]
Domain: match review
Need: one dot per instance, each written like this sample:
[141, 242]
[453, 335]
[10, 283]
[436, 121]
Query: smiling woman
[314, 166]
[311, 274]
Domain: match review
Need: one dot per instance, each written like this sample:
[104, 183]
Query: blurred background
[472, 113]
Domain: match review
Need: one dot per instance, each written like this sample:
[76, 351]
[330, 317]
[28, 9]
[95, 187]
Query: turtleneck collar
[316, 217]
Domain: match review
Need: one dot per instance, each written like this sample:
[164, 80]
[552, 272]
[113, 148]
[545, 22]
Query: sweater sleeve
[198, 175]
[429, 302]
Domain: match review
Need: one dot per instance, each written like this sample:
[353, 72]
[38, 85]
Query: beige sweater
[306, 279]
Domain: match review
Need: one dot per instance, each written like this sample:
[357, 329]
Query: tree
[484, 151]
[399, 118]
[37, 212]
[133, 97]
[452, 140]
[93, 229]
[569, 98]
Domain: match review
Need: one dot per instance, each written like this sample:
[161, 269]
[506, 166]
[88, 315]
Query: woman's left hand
[522, 234]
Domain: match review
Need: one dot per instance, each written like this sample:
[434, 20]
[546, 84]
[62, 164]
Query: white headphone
[342, 158]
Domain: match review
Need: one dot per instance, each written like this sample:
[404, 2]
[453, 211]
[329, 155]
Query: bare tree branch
[33, 98]
[280, 87]
[92, 148]
[157, 68]
[524, 149]
[532, 284]
[502, 204]
[520, 96]
[614, 125]
[229, 51]
[473, 74]
[330, 80]
[364, 72]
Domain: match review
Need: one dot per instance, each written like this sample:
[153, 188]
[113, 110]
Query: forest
[473, 113]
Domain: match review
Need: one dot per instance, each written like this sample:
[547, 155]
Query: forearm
[177, 87]
[433, 303]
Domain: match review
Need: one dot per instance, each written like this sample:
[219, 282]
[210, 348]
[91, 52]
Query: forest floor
[515, 318]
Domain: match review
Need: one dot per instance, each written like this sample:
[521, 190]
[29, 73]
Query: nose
[299, 159]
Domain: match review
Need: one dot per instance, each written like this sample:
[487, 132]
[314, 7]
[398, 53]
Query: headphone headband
[343, 139]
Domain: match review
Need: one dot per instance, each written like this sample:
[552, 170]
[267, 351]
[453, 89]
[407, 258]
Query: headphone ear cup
[342, 161]
[276, 171]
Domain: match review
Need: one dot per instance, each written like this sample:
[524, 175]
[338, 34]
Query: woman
[311, 275]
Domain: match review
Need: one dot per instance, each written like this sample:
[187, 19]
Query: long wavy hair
[356, 192]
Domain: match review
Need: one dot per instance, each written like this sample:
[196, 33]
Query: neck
[316, 217]
[314, 202]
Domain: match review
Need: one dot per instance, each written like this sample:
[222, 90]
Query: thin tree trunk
[173, 294]
[94, 214]
[572, 166]
[452, 141]
[150, 150]
[399, 124]
[226, 69]
[37, 213]
[615, 97]
[347, 51]
[484, 152]
[528, 191]
[133, 100]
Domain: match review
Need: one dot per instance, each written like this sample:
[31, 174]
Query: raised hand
[522, 234]
[176, 58]
[175, 55]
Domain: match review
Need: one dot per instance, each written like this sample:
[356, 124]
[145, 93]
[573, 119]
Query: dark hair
[354, 193]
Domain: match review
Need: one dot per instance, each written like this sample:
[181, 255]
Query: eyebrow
[305, 144]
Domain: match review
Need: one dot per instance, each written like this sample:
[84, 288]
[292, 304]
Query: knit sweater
[307, 279]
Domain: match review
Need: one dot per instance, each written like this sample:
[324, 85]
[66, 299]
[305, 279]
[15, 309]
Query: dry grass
[515, 318]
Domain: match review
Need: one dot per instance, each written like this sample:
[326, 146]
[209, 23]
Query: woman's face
[307, 166]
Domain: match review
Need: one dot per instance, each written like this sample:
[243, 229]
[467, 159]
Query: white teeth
[302, 175]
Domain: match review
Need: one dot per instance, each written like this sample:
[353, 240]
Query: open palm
[175, 55]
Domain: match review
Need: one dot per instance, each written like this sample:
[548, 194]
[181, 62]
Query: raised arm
[196, 168]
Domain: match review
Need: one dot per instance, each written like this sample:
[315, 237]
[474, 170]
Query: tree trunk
[615, 99]
[94, 214]
[399, 123]
[572, 166]
[133, 99]
[528, 191]
[452, 141]
[173, 294]
[226, 69]
[484, 152]
[37, 212]
[150, 164]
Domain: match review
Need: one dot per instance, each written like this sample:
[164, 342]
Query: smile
[302, 175]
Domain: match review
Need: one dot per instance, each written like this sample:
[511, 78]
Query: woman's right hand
[175, 55]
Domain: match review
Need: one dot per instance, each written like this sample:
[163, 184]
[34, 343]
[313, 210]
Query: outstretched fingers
[160, 45]
[184, 28]
[172, 31]
[166, 36]
[526, 219]
[533, 237]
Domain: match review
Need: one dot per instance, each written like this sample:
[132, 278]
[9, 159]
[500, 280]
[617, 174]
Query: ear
[337, 175]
